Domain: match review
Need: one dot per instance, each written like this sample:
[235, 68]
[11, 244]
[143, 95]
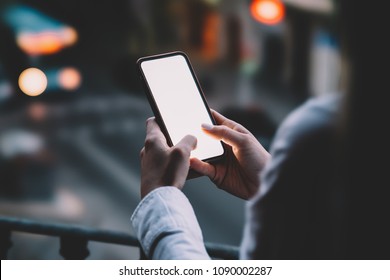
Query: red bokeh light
[268, 11]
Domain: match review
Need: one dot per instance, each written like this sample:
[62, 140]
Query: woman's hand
[162, 165]
[239, 172]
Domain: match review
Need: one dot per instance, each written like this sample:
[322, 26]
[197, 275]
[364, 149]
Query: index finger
[154, 133]
[188, 143]
[152, 126]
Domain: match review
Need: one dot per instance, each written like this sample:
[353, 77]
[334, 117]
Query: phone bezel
[154, 105]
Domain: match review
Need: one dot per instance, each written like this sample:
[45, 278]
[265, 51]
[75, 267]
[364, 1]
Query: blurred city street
[73, 111]
[96, 141]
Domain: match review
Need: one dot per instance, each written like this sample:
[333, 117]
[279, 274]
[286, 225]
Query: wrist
[145, 190]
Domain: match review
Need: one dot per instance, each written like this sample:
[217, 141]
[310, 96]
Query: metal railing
[74, 239]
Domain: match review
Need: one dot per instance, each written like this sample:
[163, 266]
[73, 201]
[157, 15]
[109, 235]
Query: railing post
[5, 243]
[142, 255]
[74, 248]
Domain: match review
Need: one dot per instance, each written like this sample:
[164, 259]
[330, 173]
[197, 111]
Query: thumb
[187, 144]
[203, 168]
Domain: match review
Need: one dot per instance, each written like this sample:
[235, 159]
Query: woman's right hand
[239, 171]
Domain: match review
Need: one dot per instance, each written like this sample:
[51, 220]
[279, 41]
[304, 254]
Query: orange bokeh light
[69, 78]
[268, 11]
[46, 42]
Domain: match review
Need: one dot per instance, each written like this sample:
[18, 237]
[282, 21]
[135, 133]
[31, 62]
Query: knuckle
[150, 142]
[238, 127]
[243, 139]
[178, 153]
[223, 130]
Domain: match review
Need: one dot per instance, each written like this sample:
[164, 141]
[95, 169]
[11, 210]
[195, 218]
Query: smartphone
[178, 102]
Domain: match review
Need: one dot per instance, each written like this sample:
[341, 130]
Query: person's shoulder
[315, 111]
[317, 115]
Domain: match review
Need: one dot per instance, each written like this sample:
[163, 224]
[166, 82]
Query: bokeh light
[37, 111]
[32, 82]
[46, 42]
[69, 36]
[69, 78]
[268, 11]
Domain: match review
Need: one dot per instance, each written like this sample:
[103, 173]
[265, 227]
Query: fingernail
[207, 126]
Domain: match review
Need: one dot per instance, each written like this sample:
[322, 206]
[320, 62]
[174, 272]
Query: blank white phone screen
[180, 104]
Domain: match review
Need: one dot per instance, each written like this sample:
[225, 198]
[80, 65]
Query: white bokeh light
[32, 82]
